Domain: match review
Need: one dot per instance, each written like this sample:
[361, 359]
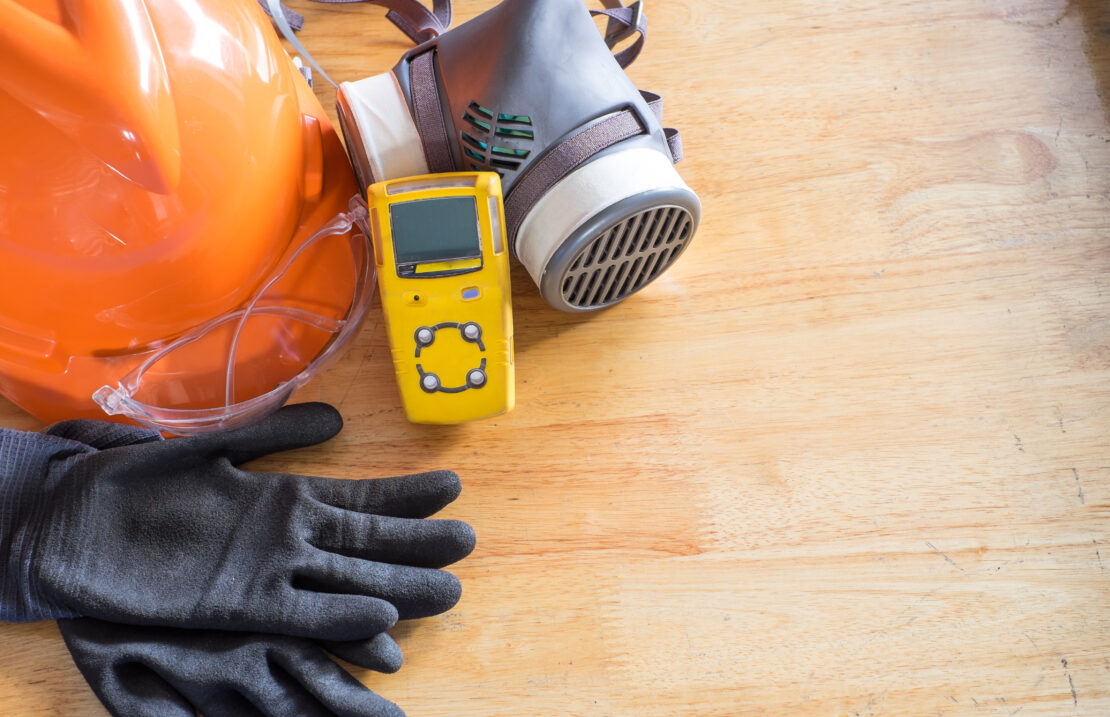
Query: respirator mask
[594, 207]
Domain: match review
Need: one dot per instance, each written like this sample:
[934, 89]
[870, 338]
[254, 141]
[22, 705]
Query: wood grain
[849, 457]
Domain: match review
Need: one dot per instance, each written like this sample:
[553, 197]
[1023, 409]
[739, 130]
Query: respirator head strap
[427, 113]
[674, 139]
[410, 16]
[674, 143]
[413, 18]
[294, 18]
[561, 160]
[624, 22]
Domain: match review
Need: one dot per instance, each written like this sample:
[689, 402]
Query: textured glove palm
[173, 533]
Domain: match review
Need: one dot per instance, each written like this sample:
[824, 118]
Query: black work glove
[140, 671]
[172, 533]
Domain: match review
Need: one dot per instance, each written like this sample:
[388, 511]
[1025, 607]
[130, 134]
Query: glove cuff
[26, 491]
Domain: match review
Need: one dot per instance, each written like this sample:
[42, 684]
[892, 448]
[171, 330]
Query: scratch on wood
[1098, 555]
[1071, 683]
[941, 554]
[1017, 442]
[1082, 499]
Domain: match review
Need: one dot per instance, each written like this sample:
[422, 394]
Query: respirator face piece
[594, 207]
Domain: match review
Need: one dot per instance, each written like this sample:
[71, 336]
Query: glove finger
[144, 671]
[380, 653]
[333, 688]
[410, 496]
[222, 703]
[422, 542]
[130, 689]
[297, 426]
[276, 695]
[135, 690]
[102, 434]
[332, 608]
[297, 679]
[414, 592]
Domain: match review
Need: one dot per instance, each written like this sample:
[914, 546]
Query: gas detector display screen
[434, 230]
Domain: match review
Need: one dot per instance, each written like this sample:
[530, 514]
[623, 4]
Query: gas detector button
[424, 336]
[476, 378]
[429, 382]
[471, 331]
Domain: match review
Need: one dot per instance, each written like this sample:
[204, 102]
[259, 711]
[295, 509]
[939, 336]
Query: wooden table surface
[848, 457]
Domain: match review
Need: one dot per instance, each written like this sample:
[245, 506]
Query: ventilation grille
[485, 136]
[625, 257]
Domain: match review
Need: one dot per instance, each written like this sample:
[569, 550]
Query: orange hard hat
[165, 173]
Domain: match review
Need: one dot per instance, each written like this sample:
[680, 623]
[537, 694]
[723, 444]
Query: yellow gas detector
[443, 274]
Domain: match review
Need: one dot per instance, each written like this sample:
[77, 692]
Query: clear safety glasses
[243, 365]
